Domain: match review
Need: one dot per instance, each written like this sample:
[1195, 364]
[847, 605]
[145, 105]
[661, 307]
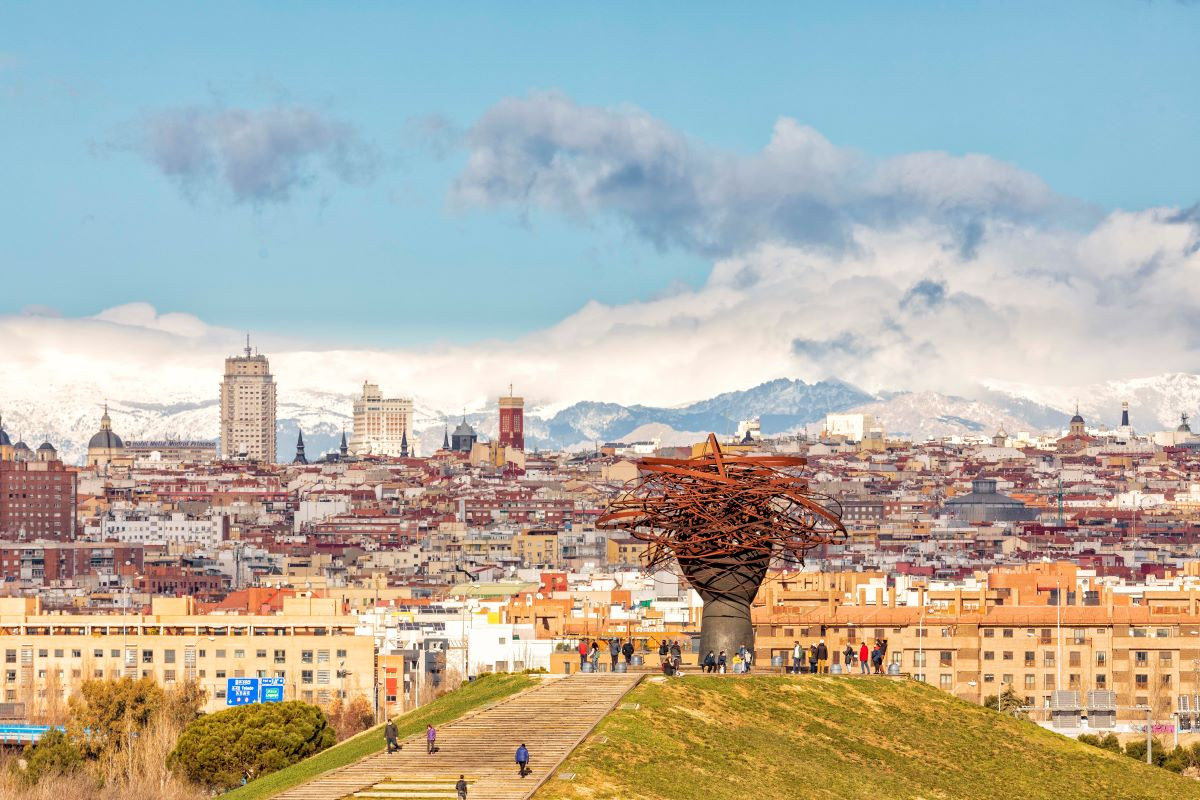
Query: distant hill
[821, 738]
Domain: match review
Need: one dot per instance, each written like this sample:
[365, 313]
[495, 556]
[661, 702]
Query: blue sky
[1096, 98]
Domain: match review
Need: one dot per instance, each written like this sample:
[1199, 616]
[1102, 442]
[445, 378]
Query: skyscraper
[383, 425]
[512, 421]
[248, 408]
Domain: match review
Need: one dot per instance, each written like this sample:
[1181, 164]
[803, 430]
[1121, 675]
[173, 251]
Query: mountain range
[67, 416]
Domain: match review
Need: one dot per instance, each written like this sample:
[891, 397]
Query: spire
[404, 444]
[300, 458]
[343, 449]
[446, 438]
[105, 421]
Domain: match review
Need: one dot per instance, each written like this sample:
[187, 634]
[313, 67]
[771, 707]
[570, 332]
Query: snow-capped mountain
[68, 415]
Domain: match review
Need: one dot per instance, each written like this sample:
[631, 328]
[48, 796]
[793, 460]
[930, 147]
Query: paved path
[551, 719]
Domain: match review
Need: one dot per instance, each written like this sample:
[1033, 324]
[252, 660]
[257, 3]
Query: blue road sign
[272, 690]
[241, 691]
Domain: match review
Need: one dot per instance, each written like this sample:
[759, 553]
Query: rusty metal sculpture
[724, 518]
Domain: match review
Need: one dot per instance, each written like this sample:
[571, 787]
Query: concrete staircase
[551, 719]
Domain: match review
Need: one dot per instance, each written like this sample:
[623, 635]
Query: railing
[24, 734]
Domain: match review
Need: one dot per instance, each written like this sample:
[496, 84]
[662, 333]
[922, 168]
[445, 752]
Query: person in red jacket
[864, 655]
[583, 652]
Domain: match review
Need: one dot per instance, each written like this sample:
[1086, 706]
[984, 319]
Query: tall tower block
[248, 408]
[512, 421]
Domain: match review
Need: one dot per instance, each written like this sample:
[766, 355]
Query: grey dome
[20, 447]
[4, 440]
[44, 447]
[106, 439]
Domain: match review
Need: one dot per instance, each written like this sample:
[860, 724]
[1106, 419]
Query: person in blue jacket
[523, 760]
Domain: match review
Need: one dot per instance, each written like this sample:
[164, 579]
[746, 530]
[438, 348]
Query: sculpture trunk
[727, 584]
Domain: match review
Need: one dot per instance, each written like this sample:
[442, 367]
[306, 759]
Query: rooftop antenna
[247, 345]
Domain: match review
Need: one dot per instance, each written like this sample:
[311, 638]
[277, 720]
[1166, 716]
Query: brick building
[37, 501]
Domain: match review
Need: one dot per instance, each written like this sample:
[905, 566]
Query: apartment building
[318, 652]
[973, 646]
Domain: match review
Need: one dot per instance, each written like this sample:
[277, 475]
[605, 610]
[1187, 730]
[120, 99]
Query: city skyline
[981, 216]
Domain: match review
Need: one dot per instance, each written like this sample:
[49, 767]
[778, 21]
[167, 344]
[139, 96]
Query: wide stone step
[551, 719]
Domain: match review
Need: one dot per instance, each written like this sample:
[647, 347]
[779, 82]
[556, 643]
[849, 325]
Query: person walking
[812, 658]
[583, 652]
[848, 657]
[663, 648]
[523, 760]
[797, 657]
[614, 654]
[627, 650]
[389, 735]
[863, 656]
[822, 658]
[430, 739]
[461, 787]
[595, 656]
[722, 662]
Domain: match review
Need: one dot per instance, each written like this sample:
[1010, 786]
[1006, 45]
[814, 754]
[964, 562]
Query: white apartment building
[248, 408]
[165, 529]
[383, 426]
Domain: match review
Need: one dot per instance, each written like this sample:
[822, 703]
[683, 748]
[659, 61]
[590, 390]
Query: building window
[147, 656]
[1030, 681]
[1049, 682]
[1030, 658]
[1141, 680]
[1008, 655]
[945, 681]
[1101, 681]
[306, 676]
[1008, 633]
[306, 656]
[1141, 658]
[989, 633]
[1164, 658]
[989, 678]
[1101, 658]
[945, 658]
[1074, 658]
[1048, 658]
[988, 655]
[260, 653]
[280, 657]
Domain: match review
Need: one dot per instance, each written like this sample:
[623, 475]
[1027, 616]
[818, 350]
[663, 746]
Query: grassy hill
[712, 738]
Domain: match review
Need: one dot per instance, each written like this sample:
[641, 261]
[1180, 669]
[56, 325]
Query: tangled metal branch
[720, 505]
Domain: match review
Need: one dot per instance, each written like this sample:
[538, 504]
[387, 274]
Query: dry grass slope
[780, 738]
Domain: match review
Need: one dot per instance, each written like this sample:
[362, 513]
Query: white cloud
[924, 271]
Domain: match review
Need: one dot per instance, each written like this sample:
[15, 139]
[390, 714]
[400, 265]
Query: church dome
[105, 439]
[4, 440]
[46, 447]
[1077, 418]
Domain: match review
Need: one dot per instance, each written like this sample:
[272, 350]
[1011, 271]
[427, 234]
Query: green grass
[779, 738]
[481, 692]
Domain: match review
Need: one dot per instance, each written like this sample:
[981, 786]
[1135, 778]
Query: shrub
[1137, 750]
[106, 715]
[1088, 738]
[54, 754]
[222, 750]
